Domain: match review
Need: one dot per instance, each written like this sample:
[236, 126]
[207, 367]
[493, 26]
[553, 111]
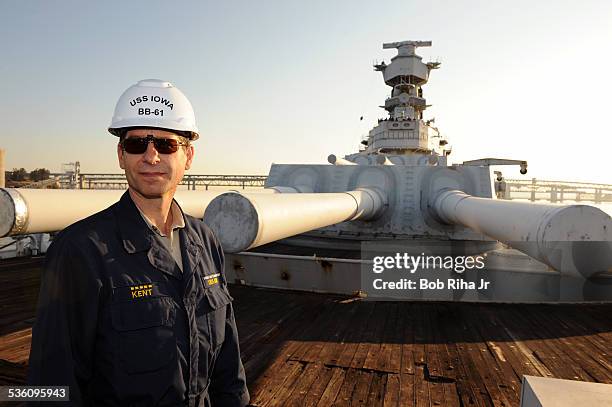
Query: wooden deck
[309, 349]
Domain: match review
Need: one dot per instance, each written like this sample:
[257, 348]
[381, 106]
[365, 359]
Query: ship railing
[554, 191]
[192, 181]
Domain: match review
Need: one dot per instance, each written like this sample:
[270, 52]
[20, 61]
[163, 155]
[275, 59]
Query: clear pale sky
[286, 81]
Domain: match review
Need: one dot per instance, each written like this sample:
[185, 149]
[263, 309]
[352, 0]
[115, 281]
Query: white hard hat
[154, 103]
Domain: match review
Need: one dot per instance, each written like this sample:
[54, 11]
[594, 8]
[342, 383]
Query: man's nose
[151, 155]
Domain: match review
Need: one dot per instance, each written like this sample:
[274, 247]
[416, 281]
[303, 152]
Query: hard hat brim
[118, 131]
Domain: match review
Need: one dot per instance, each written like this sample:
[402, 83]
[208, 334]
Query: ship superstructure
[404, 137]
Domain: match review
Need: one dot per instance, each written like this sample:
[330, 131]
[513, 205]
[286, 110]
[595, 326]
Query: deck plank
[368, 339]
[345, 393]
[390, 359]
[337, 343]
[333, 388]
[376, 393]
[407, 322]
[443, 381]
[421, 387]
[359, 396]
[392, 391]
[274, 382]
[485, 364]
[354, 338]
[283, 389]
[303, 384]
[468, 382]
[542, 349]
[376, 341]
[313, 340]
[327, 333]
[407, 389]
[577, 352]
[571, 321]
[315, 392]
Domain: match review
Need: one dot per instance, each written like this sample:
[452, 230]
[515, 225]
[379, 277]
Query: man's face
[151, 174]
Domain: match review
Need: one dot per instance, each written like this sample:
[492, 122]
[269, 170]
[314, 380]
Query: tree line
[20, 174]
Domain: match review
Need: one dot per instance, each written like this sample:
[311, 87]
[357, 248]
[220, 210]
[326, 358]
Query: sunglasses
[138, 145]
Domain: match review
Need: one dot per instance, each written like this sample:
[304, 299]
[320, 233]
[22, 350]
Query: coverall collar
[135, 234]
[192, 249]
[136, 237]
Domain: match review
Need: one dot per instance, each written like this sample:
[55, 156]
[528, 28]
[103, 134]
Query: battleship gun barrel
[569, 238]
[24, 211]
[243, 221]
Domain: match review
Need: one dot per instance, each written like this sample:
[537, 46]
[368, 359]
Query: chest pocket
[145, 328]
[213, 308]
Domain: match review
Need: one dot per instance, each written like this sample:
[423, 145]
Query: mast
[404, 132]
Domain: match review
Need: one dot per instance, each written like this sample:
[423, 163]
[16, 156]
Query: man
[134, 308]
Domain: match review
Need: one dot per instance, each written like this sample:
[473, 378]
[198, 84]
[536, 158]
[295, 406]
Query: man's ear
[120, 156]
[190, 153]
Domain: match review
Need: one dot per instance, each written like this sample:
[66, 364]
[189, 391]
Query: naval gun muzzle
[569, 238]
[243, 221]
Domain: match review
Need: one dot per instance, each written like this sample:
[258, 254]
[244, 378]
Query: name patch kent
[139, 291]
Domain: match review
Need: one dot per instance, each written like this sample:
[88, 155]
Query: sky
[287, 81]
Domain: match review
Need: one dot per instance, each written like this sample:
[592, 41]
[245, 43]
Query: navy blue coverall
[119, 323]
